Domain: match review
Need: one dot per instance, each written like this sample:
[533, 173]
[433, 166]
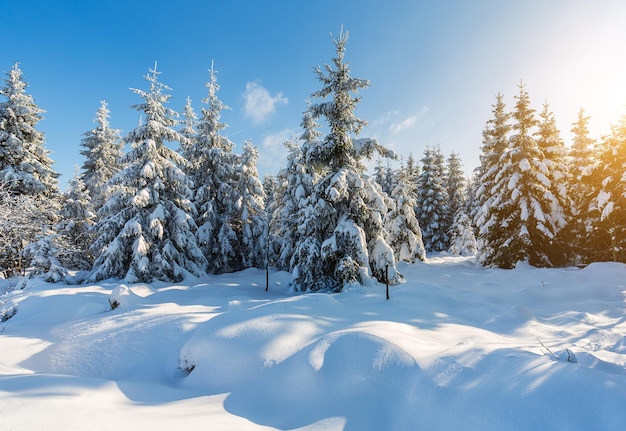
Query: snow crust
[457, 346]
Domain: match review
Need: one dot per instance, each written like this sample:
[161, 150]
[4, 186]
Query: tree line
[181, 202]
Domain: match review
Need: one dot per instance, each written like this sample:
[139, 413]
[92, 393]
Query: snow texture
[456, 347]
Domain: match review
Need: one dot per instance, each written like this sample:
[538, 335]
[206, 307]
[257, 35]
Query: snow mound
[322, 379]
[123, 296]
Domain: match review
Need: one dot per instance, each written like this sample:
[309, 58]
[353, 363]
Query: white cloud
[259, 103]
[408, 122]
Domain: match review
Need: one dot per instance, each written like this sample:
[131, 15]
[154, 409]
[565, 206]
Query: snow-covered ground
[456, 347]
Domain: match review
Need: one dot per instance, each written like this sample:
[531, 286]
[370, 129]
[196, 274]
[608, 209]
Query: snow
[457, 346]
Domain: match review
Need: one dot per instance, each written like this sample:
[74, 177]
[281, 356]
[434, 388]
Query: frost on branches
[212, 169]
[403, 230]
[103, 151]
[342, 224]
[24, 163]
[520, 223]
[146, 228]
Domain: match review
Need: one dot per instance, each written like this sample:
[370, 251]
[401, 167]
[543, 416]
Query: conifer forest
[175, 197]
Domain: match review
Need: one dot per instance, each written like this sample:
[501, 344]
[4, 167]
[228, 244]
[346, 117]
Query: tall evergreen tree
[103, 152]
[343, 225]
[252, 210]
[553, 166]
[433, 201]
[293, 195]
[213, 171]
[146, 227]
[77, 218]
[456, 185]
[26, 171]
[582, 190]
[403, 230]
[607, 210]
[25, 165]
[495, 145]
[518, 226]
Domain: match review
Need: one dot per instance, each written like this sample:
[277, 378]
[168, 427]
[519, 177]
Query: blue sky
[435, 66]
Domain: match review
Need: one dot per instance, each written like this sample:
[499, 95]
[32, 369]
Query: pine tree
[495, 145]
[103, 152]
[26, 174]
[433, 201]
[404, 233]
[518, 226]
[213, 171]
[607, 210]
[189, 126]
[75, 227]
[23, 220]
[343, 225]
[581, 190]
[25, 165]
[553, 167]
[456, 186]
[253, 219]
[462, 238]
[293, 195]
[146, 227]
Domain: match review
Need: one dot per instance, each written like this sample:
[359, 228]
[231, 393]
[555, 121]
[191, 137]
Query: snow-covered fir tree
[462, 238]
[25, 165]
[103, 152]
[213, 167]
[433, 208]
[607, 211]
[456, 184]
[403, 230]
[495, 144]
[269, 188]
[24, 219]
[26, 174]
[553, 166]
[518, 226]
[253, 220]
[342, 227]
[293, 195]
[188, 129]
[42, 257]
[146, 228]
[77, 218]
[581, 191]
[384, 176]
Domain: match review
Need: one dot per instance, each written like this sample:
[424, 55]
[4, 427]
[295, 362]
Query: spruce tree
[26, 173]
[456, 185]
[553, 166]
[294, 194]
[213, 171]
[433, 201]
[607, 211]
[103, 152]
[518, 226]
[462, 238]
[253, 221]
[25, 165]
[495, 144]
[343, 225]
[146, 228]
[581, 190]
[403, 230]
[75, 227]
